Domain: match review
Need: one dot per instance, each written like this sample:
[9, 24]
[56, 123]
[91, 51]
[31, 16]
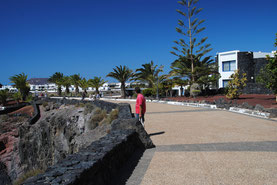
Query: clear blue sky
[90, 37]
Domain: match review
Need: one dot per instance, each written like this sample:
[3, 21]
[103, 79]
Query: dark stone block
[36, 115]
[109, 154]
[4, 178]
[272, 111]
[259, 107]
[133, 123]
[245, 105]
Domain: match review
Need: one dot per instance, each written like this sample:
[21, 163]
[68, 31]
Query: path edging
[248, 112]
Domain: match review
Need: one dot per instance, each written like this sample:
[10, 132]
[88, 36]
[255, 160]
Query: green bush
[236, 85]
[4, 94]
[135, 96]
[148, 92]
[29, 98]
[17, 96]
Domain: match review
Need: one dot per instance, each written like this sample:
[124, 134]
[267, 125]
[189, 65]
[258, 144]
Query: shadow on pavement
[157, 133]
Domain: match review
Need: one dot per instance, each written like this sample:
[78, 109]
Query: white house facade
[247, 62]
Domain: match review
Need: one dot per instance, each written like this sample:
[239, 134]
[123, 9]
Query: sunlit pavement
[206, 146]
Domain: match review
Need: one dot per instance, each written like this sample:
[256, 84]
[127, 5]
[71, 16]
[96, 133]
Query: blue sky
[90, 37]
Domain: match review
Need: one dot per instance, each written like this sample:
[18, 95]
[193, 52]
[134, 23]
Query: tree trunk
[182, 90]
[123, 93]
[97, 91]
[67, 90]
[23, 94]
[76, 90]
[59, 91]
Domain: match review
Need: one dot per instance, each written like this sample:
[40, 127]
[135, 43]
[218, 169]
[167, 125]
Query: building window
[229, 65]
[225, 83]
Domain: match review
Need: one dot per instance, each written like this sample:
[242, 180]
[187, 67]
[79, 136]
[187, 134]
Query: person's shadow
[157, 133]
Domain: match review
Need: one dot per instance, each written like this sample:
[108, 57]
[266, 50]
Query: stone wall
[96, 164]
[124, 108]
[36, 114]
[256, 88]
[247, 64]
[12, 108]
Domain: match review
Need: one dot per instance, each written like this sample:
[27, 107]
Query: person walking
[84, 95]
[140, 106]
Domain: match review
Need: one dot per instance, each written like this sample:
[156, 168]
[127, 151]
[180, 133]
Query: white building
[247, 62]
[9, 87]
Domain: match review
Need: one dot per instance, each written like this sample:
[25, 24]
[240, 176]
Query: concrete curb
[248, 112]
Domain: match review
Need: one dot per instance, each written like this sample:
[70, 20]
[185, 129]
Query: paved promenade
[205, 146]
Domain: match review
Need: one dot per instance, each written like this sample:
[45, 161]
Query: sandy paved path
[204, 146]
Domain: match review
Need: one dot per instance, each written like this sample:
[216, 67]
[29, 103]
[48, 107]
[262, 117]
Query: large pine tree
[191, 46]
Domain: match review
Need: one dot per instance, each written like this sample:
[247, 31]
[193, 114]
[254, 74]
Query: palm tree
[66, 82]
[20, 82]
[148, 73]
[122, 74]
[4, 94]
[180, 82]
[181, 68]
[57, 78]
[96, 82]
[84, 84]
[75, 80]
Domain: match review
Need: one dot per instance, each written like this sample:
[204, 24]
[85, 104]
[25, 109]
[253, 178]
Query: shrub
[88, 108]
[98, 116]
[4, 118]
[195, 93]
[27, 175]
[44, 104]
[29, 98]
[135, 96]
[195, 89]
[236, 85]
[148, 92]
[17, 96]
[112, 116]
[80, 105]
[4, 94]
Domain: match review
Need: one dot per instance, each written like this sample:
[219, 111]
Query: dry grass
[112, 116]
[88, 108]
[98, 116]
[27, 175]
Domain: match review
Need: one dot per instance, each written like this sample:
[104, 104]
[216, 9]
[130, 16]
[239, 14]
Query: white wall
[226, 56]
[262, 55]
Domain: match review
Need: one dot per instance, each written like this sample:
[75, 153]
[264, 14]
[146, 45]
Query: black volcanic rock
[4, 177]
[134, 124]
